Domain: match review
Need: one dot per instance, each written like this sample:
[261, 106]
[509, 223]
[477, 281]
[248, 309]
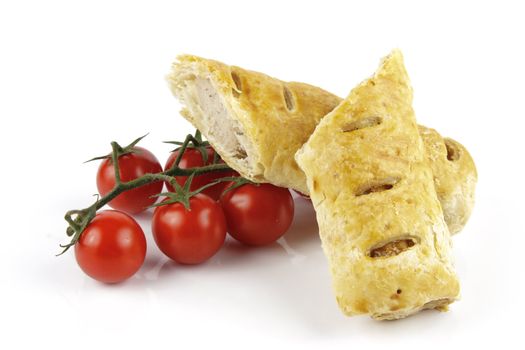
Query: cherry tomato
[111, 248]
[189, 236]
[132, 165]
[258, 214]
[193, 158]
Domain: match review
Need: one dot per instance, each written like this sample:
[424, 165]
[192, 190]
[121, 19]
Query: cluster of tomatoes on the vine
[189, 225]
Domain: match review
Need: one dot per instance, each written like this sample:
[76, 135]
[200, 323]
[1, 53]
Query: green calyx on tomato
[120, 151]
[195, 142]
[181, 195]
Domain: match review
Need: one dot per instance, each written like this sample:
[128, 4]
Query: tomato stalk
[195, 142]
[78, 219]
[183, 194]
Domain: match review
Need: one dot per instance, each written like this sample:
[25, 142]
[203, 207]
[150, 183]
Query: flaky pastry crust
[380, 221]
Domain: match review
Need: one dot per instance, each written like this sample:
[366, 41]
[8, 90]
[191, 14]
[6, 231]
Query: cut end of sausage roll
[209, 94]
[380, 221]
[255, 122]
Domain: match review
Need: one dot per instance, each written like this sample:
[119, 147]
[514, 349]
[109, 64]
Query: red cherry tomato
[132, 165]
[189, 236]
[193, 158]
[111, 248]
[258, 214]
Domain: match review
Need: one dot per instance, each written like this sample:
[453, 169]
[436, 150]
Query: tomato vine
[79, 219]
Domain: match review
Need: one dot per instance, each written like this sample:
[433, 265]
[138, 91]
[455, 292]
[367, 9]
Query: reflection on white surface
[296, 245]
[153, 273]
[283, 290]
[295, 257]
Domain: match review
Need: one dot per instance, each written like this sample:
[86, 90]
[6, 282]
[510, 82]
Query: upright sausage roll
[380, 221]
[257, 123]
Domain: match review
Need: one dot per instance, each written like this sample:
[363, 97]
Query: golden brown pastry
[380, 221]
[257, 123]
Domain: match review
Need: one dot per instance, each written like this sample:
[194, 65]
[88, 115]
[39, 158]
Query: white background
[76, 75]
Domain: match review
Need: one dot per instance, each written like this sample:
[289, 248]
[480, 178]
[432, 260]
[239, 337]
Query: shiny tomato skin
[132, 165]
[111, 248]
[189, 236]
[258, 214]
[192, 158]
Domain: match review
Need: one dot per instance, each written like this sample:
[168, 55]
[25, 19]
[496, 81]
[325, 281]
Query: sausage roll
[380, 220]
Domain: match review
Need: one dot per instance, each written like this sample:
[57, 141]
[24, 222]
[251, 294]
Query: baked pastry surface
[380, 221]
[257, 123]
